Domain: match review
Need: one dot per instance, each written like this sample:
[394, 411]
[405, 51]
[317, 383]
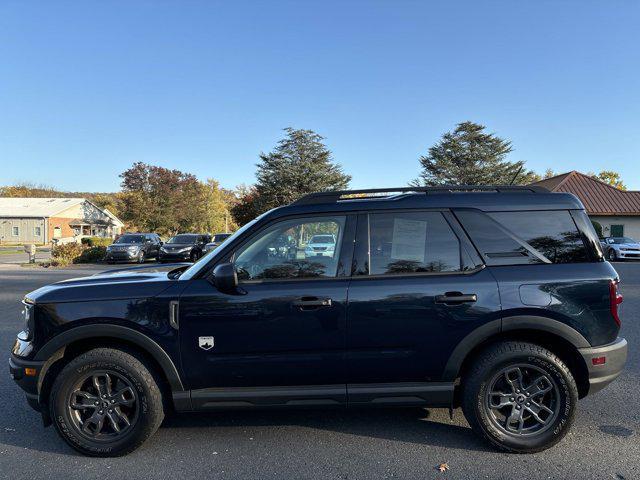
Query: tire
[612, 255]
[495, 370]
[138, 399]
[141, 257]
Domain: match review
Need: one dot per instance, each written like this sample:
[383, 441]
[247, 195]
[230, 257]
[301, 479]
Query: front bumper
[602, 374]
[26, 374]
[121, 256]
[629, 254]
[173, 256]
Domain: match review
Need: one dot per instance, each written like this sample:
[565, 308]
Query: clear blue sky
[89, 87]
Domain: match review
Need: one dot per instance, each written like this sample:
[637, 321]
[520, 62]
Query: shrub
[96, 241]
[91, 255]
[63, 255]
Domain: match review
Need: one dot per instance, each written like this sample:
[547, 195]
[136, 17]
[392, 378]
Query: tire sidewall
[67, 429]
[567, 401]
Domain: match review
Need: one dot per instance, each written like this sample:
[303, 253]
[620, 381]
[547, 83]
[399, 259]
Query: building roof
[35, 207]
[598, 198]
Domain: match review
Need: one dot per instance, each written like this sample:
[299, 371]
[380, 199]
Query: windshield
[130, 239]
[622, 240]
[197, 266]
[183, 239]
[322, 239]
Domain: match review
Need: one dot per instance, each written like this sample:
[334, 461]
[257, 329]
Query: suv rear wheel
[520, 397]
[106, 403]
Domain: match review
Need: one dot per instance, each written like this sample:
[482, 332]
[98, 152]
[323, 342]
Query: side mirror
[225, 278]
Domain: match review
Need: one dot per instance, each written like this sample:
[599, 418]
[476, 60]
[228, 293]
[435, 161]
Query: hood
[126, 245]
[141, 282]
[627, 245]
[177, 245]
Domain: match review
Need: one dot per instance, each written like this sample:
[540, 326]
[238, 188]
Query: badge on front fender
[205, 343]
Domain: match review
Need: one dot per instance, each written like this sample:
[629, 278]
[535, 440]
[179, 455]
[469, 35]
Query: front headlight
[28, 309]
[162, 249]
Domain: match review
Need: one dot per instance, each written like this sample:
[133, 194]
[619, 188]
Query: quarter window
[293, 249]
[413, 242]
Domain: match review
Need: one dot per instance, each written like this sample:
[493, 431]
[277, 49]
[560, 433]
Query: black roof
[485, 198]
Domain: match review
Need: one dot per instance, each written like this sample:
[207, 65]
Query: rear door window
[413, 242]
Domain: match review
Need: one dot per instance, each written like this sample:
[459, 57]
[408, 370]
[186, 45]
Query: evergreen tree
[299, 164]
[470, 156]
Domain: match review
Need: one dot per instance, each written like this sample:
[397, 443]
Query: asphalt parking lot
[604, 441]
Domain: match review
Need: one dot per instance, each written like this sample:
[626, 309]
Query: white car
[320, 246]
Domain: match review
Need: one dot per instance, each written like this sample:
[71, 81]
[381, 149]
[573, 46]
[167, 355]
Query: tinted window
[412, 243]
[221, 236]
[183, 239]
[508, 238]
[284, 250]
[130, 239]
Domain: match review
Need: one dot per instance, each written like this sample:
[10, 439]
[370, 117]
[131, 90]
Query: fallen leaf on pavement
[443, 467]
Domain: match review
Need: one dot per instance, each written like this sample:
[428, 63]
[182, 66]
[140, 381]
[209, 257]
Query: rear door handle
[456, 298]
[312, 303]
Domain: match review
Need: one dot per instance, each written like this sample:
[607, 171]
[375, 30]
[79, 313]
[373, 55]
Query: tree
[245, 208]
[299, 164]
[217, 214]
[161, 200]
[469, 156]
[612, 178]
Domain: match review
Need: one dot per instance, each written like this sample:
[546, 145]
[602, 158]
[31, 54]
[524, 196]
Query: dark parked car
[497, 300]
[216, 241]
[185, 246]
[620, 248]
[133, 247]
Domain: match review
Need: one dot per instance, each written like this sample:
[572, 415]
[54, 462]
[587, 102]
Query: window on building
[37, 232]
[413, 242]
[57, 232]
[15, 231]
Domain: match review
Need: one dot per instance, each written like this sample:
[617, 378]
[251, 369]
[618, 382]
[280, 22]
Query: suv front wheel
[106, 403]
[520, 397]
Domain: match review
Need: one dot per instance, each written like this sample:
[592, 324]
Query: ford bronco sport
[493, 299]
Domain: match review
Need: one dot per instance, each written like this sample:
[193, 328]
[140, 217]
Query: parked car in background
[620, 248]
[133, 247]
[185, 246]
[494, 299]
[216, 241]
[320, 246]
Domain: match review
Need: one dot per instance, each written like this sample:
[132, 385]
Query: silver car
[620, 248]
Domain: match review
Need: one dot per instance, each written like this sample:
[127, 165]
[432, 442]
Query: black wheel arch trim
[506, 324]
[116, 332]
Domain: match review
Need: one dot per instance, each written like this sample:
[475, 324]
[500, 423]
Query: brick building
[40, 220]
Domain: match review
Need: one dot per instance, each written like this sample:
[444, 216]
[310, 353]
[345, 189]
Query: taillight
[615, 299]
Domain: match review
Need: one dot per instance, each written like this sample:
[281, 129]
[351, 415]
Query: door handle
[456, 298]
[312, 303]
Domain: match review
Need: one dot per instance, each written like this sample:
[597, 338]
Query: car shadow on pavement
[411, 425]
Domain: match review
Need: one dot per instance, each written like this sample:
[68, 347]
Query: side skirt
[431, 394]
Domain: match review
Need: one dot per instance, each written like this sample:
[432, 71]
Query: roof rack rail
[376, 193]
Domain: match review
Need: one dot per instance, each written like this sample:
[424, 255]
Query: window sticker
[409, 240]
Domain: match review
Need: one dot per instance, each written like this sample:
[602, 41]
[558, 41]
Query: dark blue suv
[493, 299]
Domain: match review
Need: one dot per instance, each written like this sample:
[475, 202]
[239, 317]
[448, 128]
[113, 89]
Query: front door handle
[312, 303]
[456, 298]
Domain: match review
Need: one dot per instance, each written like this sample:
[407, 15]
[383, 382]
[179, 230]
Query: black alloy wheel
[106, 402]
[612, 255]
[519, 396]
[522, 399]
[103, 405]
[141, 257]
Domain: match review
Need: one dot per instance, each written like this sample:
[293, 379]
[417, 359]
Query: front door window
[293, 249]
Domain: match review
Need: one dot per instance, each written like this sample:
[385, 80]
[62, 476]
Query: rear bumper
[615, 357]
